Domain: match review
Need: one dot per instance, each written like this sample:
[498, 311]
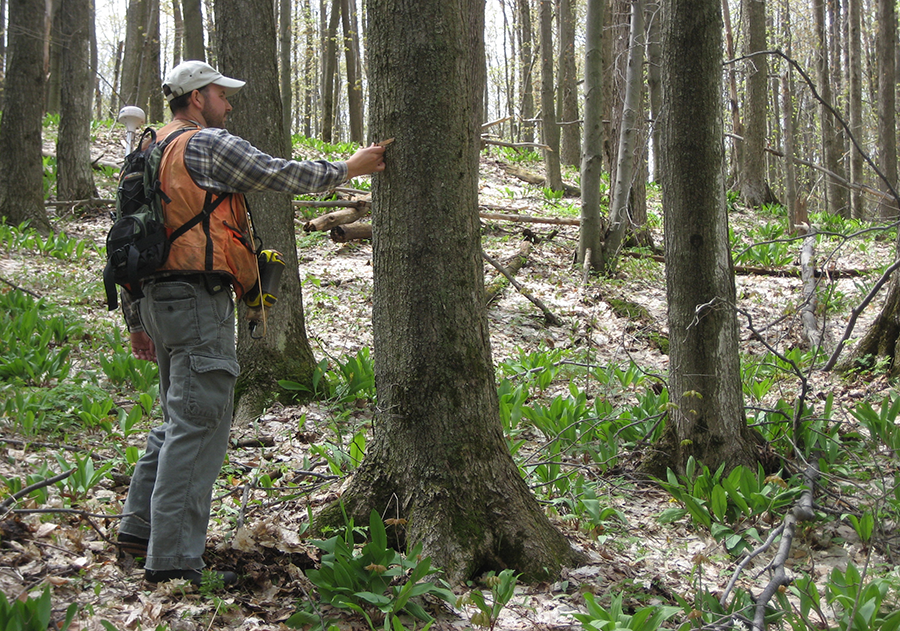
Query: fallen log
[512, 265]
[557, 221]
[351, 232]
[533, 178]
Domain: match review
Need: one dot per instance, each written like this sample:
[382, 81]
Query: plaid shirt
[224, 163]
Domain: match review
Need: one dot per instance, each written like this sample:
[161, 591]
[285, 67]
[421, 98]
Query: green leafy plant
[868, 604]
[599, 618]
[375, 581]
[122, 368]
[32, 614]
[84, 477]
[351, 379]
[502, 586]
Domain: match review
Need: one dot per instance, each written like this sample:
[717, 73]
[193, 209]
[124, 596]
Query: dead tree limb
[556, 221]
[9, 501]
[548, 315]
[338, 217]
[539, 180]
[513, 265]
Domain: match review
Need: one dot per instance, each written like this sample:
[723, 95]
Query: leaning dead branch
[513, 265]
[548, 315]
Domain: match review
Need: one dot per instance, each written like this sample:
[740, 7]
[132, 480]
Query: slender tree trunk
[836, 194]
[707, 416]
[548, 111]
[621, 192]
[21, 166]
[135, 23]
[329, 70]
[654, 82]
[737, 125]
[854, 99]
[752, 176]
[285, 41]
[590, 235]
[795, 216]
[150, 64]
[73, 149]
[354, 81]
[526, 70]
[52, 59]
[886, 56]
[2, 48]
[438, 456]
[248, 49]
[567, 102]
[194, 47]
[178, 36]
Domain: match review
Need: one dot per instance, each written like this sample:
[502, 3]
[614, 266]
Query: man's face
[215, 105]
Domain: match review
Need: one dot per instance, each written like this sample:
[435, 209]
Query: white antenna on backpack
[132, 117]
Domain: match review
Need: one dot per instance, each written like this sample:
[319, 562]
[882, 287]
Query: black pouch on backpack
[137, 244]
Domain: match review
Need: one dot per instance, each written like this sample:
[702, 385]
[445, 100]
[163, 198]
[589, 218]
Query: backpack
[137, 244]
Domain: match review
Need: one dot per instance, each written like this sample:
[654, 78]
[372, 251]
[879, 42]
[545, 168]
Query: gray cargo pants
[171, 490]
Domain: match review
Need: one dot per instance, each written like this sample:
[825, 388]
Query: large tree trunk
[73, 153]
[752, 176]
[248, 49]
[192, 14]
[21, 165]
[707, 417]
[590, 235]
[438, 455]
[548, 112]
[567, 103]
[886, 50]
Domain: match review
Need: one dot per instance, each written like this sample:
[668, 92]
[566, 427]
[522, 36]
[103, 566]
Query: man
[186, 319]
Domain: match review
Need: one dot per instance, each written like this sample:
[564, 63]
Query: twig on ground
[9, 501]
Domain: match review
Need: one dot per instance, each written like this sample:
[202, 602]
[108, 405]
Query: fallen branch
[548, 315]
[556, 221]
[539, 180]
[338, 217]
[513, 265]
[9, 501]
[30, 293]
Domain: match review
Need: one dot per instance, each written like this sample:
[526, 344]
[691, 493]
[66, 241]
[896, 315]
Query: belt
[214, 282]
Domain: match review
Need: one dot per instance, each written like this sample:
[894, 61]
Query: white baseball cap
[194, 75]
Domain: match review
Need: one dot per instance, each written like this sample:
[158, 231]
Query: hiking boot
[194, 576]
[130, 544]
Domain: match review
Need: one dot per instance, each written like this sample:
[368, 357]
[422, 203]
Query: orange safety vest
[221, 243]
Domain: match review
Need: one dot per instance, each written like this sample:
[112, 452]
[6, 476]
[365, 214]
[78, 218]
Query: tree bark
[704, 376]
[654, 82]
[285, 41]
[192, 12]
[247, 48]
[619, 220]
[854, 97]
[567, 102]
[737, 125]
[178, 35]
[548, 111]
[526, 70]
[886, 50]
[329, 70]
[75, 179]
[354, 81]
[752, 176]
[836, 194]
[21, 166]
[438, 456]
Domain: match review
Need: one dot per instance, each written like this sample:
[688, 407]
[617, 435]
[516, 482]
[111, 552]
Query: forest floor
[636, 554]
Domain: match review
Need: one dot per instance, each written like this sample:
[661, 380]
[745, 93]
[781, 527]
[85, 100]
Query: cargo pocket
[211, 386]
